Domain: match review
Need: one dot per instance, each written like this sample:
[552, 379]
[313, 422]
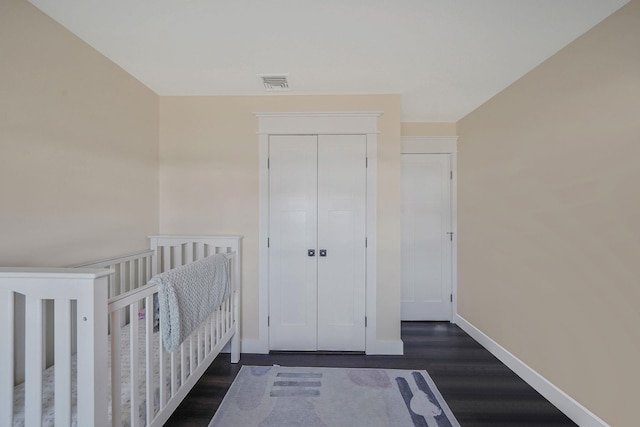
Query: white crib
[105, 346]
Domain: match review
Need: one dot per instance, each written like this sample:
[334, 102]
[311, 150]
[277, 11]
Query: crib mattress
[48, 416]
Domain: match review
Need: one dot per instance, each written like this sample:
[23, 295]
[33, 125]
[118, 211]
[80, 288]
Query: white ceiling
[445, 57]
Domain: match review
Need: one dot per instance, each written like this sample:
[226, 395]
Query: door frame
[315, 123]
[442, 145]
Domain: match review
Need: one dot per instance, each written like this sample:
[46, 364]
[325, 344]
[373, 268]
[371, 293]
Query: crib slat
[140, 270]
[219, 316]
[156, 261]
[225, 304]
[123, 278]
[192, 356]
[33, 361]
[222, 318]
[62, 349]
[116, 280]
[207, 337]
[164, 370]
[174, 374]
[112, 285]
[198, 251]
[214, 329]
[188, 253]
[201, 342]
[116, 386]
[163, 376]
[225, 315]
[149, 268]
[177, 256]
[166, 262]
[6, 357]
[149, 357]
[183, 362]
[133, 372]
[132, 274]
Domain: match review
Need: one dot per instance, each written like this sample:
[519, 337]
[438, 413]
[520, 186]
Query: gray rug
[274, 396]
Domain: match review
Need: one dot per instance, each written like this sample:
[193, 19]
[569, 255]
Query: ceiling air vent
[274, 82]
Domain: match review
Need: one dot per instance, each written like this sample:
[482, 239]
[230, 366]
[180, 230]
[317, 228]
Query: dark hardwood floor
[479, 389]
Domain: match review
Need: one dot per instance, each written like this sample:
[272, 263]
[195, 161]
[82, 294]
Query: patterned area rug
[274, 396]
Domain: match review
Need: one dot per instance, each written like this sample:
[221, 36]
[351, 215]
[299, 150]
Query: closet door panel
[292, 231]
[341, 232]
[426, 246]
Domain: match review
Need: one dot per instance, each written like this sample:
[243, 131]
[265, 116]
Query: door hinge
[450, 174]
[268, 321]
[450, 233]
[268, 242]
[451, 297]
[365, 321]
[366, 162]
[366, 242]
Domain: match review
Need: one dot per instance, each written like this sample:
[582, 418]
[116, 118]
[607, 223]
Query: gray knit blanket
[187, 296]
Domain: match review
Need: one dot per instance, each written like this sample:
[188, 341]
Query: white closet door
[426, 245]
[341, 233]
[292, 231]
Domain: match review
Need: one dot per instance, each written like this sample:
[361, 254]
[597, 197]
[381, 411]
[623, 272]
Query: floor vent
[274, 82]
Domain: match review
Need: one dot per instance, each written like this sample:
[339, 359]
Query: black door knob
[311, 252]
[323, 252]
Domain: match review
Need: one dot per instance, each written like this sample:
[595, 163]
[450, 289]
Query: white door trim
[442, 145]
[429, 144]
[314, 123]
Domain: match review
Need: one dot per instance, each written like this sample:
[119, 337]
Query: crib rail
[130, 271]
[87, 288]
[174, 250]
[93, 303]
[178, 371]
[223, 325]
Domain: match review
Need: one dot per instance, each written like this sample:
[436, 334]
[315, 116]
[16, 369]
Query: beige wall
[209, 181]
[78, 150]
[78, 147]
[428, 129]
[549, 218]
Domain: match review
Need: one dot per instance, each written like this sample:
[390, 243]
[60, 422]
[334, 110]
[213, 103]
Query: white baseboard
[386, 347]
[378, 347]
[565, 403]
[247, 346]
[253, 346]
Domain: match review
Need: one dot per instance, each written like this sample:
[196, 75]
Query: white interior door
[342, 185]
[317, 191]
[426, 251]
[292, 232]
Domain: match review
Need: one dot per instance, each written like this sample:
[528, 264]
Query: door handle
[323, 252]
[311, 252]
